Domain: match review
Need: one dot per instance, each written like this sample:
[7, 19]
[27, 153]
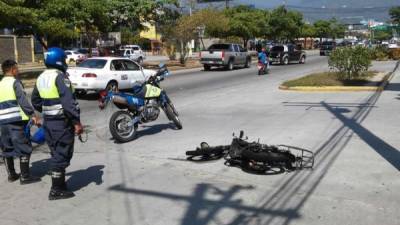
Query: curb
[386, 80]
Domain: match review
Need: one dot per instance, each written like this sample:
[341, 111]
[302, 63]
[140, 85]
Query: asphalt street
[148, 181]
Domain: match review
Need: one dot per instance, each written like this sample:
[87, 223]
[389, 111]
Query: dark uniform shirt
[22, 100]
[68, 101]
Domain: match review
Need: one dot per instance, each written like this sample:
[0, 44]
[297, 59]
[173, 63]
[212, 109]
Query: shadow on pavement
[201, 210]
[393, 87]
[154, 129]
[283, 205]
[150, 130]
[93, 96]
[82, 178]
[41, 168]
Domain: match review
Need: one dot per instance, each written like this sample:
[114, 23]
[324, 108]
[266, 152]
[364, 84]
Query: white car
[74, 56]
[130, 54]
[110, 73]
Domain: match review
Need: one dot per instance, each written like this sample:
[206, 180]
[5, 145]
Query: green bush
[380, 53]
[351, 63]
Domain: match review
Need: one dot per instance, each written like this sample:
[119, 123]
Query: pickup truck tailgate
[211, 57]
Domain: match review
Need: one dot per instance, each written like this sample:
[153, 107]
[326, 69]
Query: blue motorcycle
[141, 106]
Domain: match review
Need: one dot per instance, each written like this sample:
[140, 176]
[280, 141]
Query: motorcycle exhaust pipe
[119, 100]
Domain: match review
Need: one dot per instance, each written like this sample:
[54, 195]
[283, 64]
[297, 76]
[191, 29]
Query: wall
[19, 49]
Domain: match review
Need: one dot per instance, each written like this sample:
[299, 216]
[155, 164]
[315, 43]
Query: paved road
[147, 181]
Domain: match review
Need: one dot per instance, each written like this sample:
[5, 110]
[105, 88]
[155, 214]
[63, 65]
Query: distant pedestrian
[15, 112]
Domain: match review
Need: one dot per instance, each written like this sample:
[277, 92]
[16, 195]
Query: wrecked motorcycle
[254, 156]
[141, 106]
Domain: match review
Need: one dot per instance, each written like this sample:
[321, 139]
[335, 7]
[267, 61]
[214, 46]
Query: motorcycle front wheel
[173, 115]
[120, 127]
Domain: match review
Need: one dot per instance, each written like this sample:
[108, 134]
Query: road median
[375, 86]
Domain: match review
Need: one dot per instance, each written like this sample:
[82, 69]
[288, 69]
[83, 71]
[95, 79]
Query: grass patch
[330, 79]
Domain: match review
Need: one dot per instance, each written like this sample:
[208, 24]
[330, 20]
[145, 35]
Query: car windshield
[93, 63]
[277, 49]
[219, 47]
[76, 53]
[135, 48]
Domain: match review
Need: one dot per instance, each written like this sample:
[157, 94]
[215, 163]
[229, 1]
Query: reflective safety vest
[10, 111]
[48, 91]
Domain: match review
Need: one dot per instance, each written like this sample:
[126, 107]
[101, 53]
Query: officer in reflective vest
[15, 112]
[53, 97]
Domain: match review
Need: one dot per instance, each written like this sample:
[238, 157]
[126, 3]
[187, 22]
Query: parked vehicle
[74, 56]
[141, 106]
[327, 47]
[137, 56]
[85, 51]
[255, 157]
[285, 54]
[225, 55]
[111, 73]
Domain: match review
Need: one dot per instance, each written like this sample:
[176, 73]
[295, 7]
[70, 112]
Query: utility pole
[227, 4]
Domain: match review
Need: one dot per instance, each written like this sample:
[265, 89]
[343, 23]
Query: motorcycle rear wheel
[119, 128]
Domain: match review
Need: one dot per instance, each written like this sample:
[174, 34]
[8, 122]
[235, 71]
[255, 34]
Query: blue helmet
[55, 58]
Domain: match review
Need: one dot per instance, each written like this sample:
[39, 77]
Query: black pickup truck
[327, 47]
[285, 54]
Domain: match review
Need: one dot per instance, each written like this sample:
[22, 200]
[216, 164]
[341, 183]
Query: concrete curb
[381, 87]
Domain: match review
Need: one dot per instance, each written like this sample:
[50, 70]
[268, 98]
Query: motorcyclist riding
[263, 59]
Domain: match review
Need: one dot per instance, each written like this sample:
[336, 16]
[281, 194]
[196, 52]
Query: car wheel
[285, 60]
[80, 93]
[206, 67]
[112, 86]
[302, 60]
[248, 63]
[140, 60]
[230, 65]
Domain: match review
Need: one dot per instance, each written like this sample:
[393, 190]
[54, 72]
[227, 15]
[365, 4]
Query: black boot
[59, 187]
[9, 164]
[26, 177]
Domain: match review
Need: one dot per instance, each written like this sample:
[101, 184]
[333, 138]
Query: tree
[307, 30]
[246, 22]
[329, 29]
[285, 24]
[382, 35]
[179, 30]
[395, 14]
[64, 19]
[133, 14]
[336, 29]
[322, 29]
[27, 17]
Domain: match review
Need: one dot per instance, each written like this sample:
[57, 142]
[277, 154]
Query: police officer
[15, 111]
[53, 97]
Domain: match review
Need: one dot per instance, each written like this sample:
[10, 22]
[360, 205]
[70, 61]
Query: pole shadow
[201, 210]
